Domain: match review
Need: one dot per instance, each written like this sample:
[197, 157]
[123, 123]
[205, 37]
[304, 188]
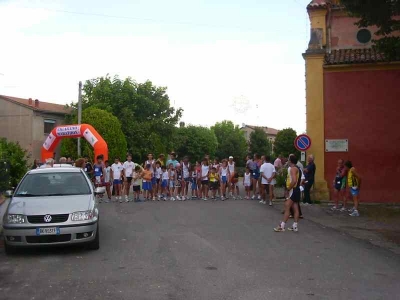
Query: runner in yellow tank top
[354, 183]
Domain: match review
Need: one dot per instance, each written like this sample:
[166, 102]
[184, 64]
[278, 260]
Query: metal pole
[79, 115]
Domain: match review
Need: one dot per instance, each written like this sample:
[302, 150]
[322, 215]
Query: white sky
[214, 67]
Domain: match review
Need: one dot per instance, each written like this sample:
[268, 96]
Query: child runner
[193, 180]
[247, 183]
[128, 168]
[150, 161]
[214, 179]
[157, 188]
[117, 170]
[107, 180]
[172, 176]
[231, 167]
[136, 175]
[147, 176]
[354, 183]
[225, 176]
[99, 172]
[164, 183]
[198, 172]
[186, 177]
[178, 181]
[204, 178]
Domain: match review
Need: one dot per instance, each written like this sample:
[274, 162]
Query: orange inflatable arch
[74, 131]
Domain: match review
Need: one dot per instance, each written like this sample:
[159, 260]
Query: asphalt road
[203, 250]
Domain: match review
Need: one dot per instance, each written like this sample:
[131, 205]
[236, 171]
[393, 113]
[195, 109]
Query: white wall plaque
[337, 145]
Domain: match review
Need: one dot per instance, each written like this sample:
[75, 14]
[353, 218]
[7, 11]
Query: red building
[352, 103]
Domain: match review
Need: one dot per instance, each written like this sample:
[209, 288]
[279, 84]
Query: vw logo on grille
[47, 218]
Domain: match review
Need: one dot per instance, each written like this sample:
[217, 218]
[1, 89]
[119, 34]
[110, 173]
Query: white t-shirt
[224, 171]
[129, 166]
[231, 167]
[165, 175]
[158, 173]
[117, 170]
[185, 169]
[247, 179]
[267, 169]
[204, 172]
[136, 180]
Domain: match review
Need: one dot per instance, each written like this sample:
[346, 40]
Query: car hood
[49, 204]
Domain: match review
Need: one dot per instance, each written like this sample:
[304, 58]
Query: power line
[152, 20]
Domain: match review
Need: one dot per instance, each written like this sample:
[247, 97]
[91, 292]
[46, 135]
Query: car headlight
[82, 215]
[15, 219]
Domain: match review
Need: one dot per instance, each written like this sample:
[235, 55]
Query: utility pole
[79, 115]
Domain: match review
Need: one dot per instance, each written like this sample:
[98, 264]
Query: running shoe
[253, 197]
[279, 229]
[294, 229]
[343, 209]
[259, 197]
[270, 203]
[172, 199]
[222, 198]
[351, 210]
[354, 214]
[261, 202]
[334, 208]
[178, 198]
[264, 202]
[205, 199]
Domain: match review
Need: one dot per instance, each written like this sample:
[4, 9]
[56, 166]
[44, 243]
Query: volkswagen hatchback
[52, 206]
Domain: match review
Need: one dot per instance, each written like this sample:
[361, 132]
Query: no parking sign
[302, 142]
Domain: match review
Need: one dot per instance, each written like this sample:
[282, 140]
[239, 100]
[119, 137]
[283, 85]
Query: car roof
[56, 169]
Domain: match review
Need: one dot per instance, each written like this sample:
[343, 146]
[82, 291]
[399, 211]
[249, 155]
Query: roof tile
[353, 56]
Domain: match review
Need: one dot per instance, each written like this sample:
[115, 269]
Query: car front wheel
[95, 244]
[9, 249]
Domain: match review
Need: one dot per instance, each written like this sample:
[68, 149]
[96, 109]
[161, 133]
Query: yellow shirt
[351, 179]
[289, 179]
[213, 177]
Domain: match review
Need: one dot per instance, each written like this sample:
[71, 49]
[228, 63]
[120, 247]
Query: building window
[364, 36]
[48, 126]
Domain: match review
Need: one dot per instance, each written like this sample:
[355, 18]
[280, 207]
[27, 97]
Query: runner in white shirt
[116, 175]
[205, 169]
[128, 168]
[186, 177]
[225, 177]
[158, 180]
[268, 181]
[232, 180]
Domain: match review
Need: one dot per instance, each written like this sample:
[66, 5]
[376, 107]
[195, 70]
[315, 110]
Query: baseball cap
[230, 157]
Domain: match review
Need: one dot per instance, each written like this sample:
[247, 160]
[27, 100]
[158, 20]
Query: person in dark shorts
[293, 182]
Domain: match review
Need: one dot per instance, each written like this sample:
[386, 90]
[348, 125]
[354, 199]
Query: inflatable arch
[74, 131]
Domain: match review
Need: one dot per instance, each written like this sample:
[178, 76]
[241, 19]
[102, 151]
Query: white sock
[283, 225]
[294, 224]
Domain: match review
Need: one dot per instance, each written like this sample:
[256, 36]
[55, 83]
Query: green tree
[148, 121]
[107, 125]
[195, 142]
[231, 141]
[380, 14]
[259, 142]
[17, 159]
[284, 142]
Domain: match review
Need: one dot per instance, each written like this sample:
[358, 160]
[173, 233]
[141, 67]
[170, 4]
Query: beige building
[248, 129]
[29, 121]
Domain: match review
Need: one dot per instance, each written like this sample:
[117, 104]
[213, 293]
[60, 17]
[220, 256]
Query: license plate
[48, 231]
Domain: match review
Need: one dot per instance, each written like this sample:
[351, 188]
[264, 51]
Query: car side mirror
[8, 193]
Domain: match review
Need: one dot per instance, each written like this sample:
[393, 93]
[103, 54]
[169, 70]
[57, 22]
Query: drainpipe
[329, 31]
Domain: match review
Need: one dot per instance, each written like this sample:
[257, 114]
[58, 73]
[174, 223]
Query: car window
[57, 184]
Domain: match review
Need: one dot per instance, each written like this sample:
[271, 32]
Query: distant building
[29, 121]
[248, 129]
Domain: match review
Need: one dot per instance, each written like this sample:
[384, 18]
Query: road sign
[302, 142]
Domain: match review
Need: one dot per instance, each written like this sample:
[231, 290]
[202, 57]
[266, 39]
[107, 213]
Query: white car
[52, 206]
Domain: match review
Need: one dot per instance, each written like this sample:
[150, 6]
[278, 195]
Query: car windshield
[53, 184]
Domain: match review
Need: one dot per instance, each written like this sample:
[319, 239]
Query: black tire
[10, 250]
[95, 244]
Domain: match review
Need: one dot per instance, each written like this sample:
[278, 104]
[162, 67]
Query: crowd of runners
[165, 179]
[168, 178]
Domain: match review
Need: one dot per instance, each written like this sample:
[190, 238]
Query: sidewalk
[378, 225]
